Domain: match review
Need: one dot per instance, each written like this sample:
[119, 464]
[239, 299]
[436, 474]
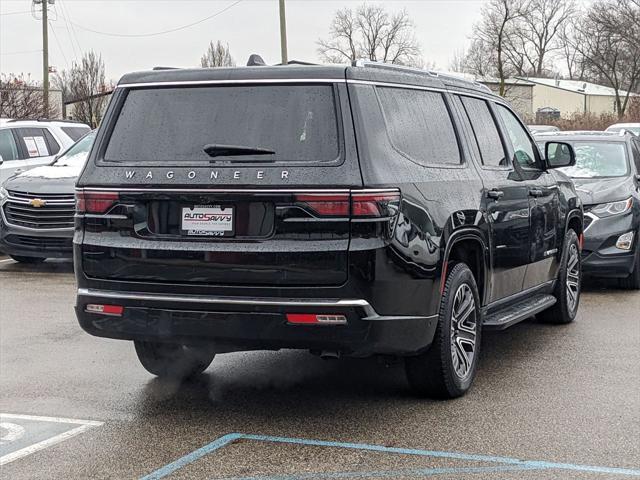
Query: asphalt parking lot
[548, 402]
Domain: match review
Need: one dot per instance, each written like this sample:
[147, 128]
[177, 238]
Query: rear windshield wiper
[218, 150]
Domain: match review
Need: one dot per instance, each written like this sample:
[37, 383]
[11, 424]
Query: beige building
[572, 96]
[518, 92]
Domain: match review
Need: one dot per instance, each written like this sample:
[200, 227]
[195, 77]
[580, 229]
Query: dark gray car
[607, 178]
[37, 207]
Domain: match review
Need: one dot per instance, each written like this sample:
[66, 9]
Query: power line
[66, 16]
[55, 35]
[137, 35]
[15, 13]
[22, 52]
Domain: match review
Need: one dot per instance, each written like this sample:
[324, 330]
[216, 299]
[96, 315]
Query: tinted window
[75, 132]
[522, 144]
[34, 142]
[486, 132]
[419, 125]
[298, 122]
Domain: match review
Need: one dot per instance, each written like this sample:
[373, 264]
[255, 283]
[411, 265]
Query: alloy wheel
[464, 324]
[573, 277]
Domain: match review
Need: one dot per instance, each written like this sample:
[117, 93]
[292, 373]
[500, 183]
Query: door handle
[535, 192]
[495, 194]
[18, 170]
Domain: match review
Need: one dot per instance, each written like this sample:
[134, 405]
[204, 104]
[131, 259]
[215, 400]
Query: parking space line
[508, 462]
[83, 425]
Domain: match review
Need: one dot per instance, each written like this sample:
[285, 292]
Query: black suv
[353, 210]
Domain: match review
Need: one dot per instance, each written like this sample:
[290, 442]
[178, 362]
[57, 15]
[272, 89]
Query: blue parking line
[422, 472]
[507, 462]
[192, 457]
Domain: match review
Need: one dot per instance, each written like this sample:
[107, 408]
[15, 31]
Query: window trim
[117, 103]
[463, 161]
[507, 151]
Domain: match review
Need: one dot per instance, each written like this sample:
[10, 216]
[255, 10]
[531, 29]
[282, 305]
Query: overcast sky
[250, 26]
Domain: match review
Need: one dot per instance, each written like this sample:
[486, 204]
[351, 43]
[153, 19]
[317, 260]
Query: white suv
[25, 144]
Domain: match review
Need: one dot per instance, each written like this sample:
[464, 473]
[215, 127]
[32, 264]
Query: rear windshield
[159, 125]
[75, 133]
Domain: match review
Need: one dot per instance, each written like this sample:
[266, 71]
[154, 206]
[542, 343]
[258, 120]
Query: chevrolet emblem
[37, 202]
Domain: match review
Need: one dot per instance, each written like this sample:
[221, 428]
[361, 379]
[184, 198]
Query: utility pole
[45, 56]
[283, 34]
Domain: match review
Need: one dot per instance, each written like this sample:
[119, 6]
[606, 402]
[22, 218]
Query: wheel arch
[468, 246]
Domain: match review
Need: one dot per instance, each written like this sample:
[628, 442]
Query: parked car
[37, 207]
[607, 178]
[629, 127]
[536, 129]
[26, 144]
[360, 210]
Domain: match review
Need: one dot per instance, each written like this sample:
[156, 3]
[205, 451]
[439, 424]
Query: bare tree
[607, 39]
[570, 57]
[372, 33]
[22, 98]
[493, 39]
[217, 55]
[62, 81]
[87, 89]
[539, 30]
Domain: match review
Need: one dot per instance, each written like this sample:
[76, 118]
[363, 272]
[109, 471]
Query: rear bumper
[243, 323]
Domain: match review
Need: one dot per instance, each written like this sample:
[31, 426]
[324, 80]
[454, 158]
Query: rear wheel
[172, 359]
[569, 284]
[21, 259]
[448, 368]
[632, 282]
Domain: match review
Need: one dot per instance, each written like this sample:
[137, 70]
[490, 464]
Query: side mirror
[559, 154]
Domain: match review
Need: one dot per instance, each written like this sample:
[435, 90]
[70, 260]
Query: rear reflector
[313, 319]
[115, 310]
[95, 202]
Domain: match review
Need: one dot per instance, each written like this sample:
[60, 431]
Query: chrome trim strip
[238, 190]
[288, 302]
[594, 219]
[231, 82]
[23, 201]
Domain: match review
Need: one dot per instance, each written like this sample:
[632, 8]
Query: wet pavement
[548, 402]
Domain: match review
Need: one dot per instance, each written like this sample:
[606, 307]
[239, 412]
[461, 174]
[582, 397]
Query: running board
[518, 312]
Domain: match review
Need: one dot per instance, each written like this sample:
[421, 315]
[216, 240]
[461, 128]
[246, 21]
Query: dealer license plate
[208, 221]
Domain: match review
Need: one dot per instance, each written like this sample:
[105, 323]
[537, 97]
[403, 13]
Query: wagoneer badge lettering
[238, 175]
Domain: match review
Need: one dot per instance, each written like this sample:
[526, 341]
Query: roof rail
[392, 66]
[165, 68]
[60, 120]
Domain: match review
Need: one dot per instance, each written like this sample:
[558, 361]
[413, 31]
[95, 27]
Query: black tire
[632, 282]
[434, 373]
[172, 360]
[21, 259]
[564, 310]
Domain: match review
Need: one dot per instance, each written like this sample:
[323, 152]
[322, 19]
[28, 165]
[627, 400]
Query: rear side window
[54, 146]
[419, 125]
[34, 142]
[75, 133]
[298, 122]
[486, 132]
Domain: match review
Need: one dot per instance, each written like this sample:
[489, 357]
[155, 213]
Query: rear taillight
[326, 205]
[375, 204]
[95, 202]
[365, 204]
